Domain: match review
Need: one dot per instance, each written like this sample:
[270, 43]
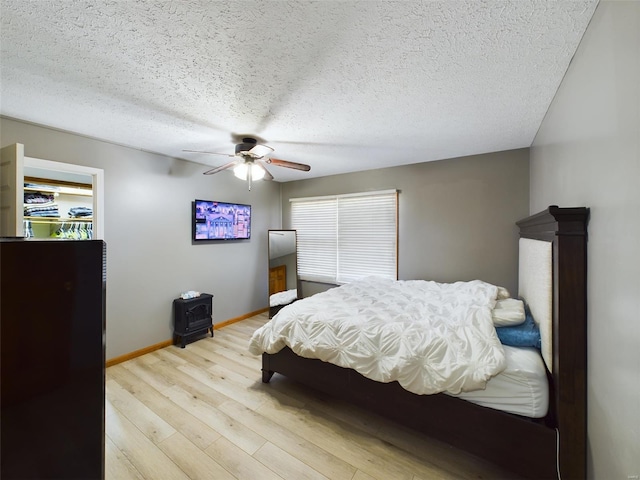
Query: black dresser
[52, 359]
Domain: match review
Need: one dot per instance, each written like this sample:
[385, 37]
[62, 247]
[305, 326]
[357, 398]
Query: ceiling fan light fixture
[242, 169]
[257, 173]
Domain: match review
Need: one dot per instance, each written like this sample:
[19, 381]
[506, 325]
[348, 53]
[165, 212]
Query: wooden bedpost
[567, 229]
[266, 372]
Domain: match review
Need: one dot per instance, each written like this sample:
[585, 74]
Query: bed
[542, 441]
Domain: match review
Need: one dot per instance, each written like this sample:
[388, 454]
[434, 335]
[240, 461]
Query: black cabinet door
[52, 359]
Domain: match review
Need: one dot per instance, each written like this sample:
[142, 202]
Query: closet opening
[62, 200]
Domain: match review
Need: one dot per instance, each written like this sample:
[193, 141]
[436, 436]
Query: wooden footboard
[523, 446]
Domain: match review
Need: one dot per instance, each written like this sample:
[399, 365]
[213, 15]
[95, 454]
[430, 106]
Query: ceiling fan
[250, 160]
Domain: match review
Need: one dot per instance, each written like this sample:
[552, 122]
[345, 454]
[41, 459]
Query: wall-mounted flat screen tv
[221, 221]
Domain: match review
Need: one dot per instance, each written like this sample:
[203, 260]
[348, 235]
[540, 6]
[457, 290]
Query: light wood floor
[203, 413]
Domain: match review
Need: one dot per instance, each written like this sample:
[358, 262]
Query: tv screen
[221, 221]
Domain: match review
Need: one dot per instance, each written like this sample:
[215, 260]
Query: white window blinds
[344, 237]
[315, 222]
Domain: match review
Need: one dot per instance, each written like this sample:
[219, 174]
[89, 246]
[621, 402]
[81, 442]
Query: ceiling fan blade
[222, 167]
[209, 153]
[285, 163]
[260, 151]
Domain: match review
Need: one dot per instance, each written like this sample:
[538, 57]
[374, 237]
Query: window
[345, 237]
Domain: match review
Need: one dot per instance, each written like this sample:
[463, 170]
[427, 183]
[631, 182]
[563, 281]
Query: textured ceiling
[342, 86]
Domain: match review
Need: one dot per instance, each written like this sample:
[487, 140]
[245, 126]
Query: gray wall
[587, 153]
[150, 257]
[456, 217]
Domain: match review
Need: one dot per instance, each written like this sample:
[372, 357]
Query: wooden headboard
[566, 230]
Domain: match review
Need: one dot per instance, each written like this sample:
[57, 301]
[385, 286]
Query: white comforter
[430, 337]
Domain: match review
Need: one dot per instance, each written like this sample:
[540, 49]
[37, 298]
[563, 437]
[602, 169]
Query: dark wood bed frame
[530, 448]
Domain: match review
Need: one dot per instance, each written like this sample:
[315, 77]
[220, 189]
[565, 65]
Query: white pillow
[508, 312]
[503, 293]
